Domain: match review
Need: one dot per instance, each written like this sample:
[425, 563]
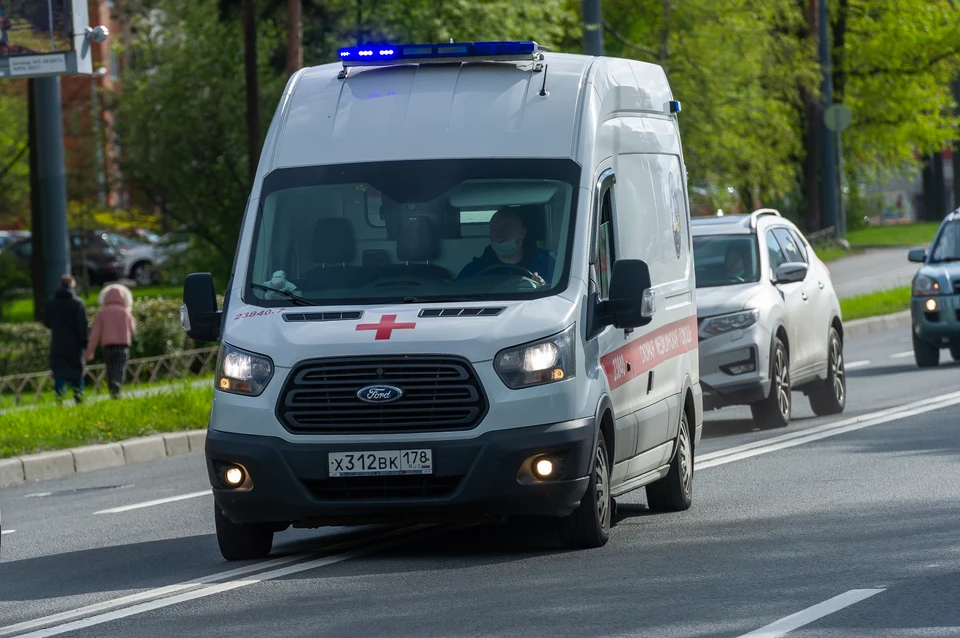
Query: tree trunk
[294, 36]
[36, 261]
[253, 87]
[812, 215]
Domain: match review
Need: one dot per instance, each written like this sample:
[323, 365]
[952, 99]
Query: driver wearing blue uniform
[506, 249]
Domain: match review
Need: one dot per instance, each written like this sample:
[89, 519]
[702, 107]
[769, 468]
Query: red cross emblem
[388, 323]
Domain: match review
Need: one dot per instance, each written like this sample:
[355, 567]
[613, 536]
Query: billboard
[33, 27]
[44, 37]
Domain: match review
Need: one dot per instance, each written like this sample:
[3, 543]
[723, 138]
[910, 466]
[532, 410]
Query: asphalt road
[831, 527]
[874, 270]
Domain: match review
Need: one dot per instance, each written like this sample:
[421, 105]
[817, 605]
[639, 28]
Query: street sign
[46, 38]
[838, 117]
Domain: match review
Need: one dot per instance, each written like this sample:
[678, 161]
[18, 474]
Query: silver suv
[769, 319]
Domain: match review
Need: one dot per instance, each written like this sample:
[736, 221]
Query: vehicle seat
[334, 246]
[418, 242]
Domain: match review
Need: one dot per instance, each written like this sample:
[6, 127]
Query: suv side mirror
[918, 255]
[631, 304]
[199, 315]
[790, 273]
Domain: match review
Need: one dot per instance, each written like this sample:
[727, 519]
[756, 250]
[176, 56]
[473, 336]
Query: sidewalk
[875, 270]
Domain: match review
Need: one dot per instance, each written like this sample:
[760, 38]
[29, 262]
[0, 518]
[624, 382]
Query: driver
[506, 248]
[734, 264]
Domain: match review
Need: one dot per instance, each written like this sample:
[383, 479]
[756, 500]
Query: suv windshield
[726, 260]
[948, 245]
[413, 231]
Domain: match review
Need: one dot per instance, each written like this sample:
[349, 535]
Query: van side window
[605, 244]
[777, 258]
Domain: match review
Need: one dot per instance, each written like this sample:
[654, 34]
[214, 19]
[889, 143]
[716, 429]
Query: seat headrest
[417, 240]
[334, 241]
[534, 220]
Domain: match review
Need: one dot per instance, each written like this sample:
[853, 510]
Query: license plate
[380, 463]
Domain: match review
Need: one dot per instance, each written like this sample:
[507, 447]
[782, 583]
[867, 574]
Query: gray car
[769, 319]
[935, 298]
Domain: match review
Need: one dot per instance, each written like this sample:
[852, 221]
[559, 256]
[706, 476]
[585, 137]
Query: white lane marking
[810, 614]
[7, 531]
[740, 452]
[853, 365]
[902, 355]
[159, 501]
[37, 494]
[218, 588]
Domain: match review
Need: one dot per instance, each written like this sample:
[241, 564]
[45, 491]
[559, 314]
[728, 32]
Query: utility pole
[48, 122]
[253, 86]
[36, 216]
[956, 153]
[828, 160]
[294, 36]
[592, 28]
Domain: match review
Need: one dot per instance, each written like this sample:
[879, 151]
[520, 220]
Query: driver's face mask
[505, 248]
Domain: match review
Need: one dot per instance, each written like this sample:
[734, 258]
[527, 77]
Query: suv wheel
[830, 397]
[774, 411]
[926, 354]
[955, 351]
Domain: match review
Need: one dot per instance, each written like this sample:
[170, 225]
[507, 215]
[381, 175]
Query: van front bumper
[477, 478]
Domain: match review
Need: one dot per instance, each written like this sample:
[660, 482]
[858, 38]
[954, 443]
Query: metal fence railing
[37, 387]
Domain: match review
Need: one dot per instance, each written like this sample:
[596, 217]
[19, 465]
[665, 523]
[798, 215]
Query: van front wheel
[589, 525]
[242, 542]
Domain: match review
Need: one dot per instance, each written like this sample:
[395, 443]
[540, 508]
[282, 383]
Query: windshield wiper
[285, 293]
[443, 299]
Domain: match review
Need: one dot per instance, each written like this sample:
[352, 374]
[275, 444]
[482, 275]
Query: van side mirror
[917, 255]
[631, 304]
[199, 315]
[790, 273]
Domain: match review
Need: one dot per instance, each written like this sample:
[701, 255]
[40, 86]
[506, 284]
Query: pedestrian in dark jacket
[67, 319]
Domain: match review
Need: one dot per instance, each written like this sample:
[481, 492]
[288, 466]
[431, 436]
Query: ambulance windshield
[413, 231]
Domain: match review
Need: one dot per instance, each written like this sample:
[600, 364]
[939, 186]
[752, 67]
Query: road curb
[863, 327]
[95, 458]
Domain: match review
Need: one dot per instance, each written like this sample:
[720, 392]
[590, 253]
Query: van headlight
[713, 326]
[545, 361]
[242, 372]
[924, 286]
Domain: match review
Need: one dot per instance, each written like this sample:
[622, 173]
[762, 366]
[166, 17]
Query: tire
[774, 411]
[589, 525]
[242, 542]
[141, 274]
[674, 492]
[955, 352]
[830, 397]
[925, 353]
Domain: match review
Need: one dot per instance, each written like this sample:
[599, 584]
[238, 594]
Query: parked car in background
[935, 295]
[99, 253]
[769, 319]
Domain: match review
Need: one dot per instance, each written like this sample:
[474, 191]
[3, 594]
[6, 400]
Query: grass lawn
[28, 398]
[834, 253]
[53, 428]
[876, 303]
[21, 310]
[919, 234]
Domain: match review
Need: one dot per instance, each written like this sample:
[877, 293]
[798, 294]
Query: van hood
[281, 334]
[720, 300]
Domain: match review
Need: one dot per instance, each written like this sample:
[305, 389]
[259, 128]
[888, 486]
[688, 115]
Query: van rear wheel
[242, 542]
[589, 525]
[674, 492]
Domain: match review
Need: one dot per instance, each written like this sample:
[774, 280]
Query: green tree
[14, 156]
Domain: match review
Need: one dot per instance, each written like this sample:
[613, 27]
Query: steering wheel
[532, 276]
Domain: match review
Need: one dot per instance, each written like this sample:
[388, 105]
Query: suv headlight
[545, 361]
[924, 286]
[242, 372]
[713, 326]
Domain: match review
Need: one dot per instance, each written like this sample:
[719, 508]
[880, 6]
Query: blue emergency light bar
[381, 55]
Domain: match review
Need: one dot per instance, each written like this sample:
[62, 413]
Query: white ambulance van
[464, 289]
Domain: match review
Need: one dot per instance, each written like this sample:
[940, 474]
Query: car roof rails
[762, 212]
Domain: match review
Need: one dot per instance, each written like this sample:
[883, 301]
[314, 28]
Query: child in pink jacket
[113, 328]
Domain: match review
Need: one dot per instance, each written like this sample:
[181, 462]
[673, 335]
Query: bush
[26, 346]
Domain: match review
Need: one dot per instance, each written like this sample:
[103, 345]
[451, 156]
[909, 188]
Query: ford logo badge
[379, 394]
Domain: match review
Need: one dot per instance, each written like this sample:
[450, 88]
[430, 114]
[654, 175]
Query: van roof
[463, 110]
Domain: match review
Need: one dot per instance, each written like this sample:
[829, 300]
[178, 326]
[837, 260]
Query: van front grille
[439, 393]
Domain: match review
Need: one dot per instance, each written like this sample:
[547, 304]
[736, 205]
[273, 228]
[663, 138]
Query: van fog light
[543, 468]
[233, 476]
